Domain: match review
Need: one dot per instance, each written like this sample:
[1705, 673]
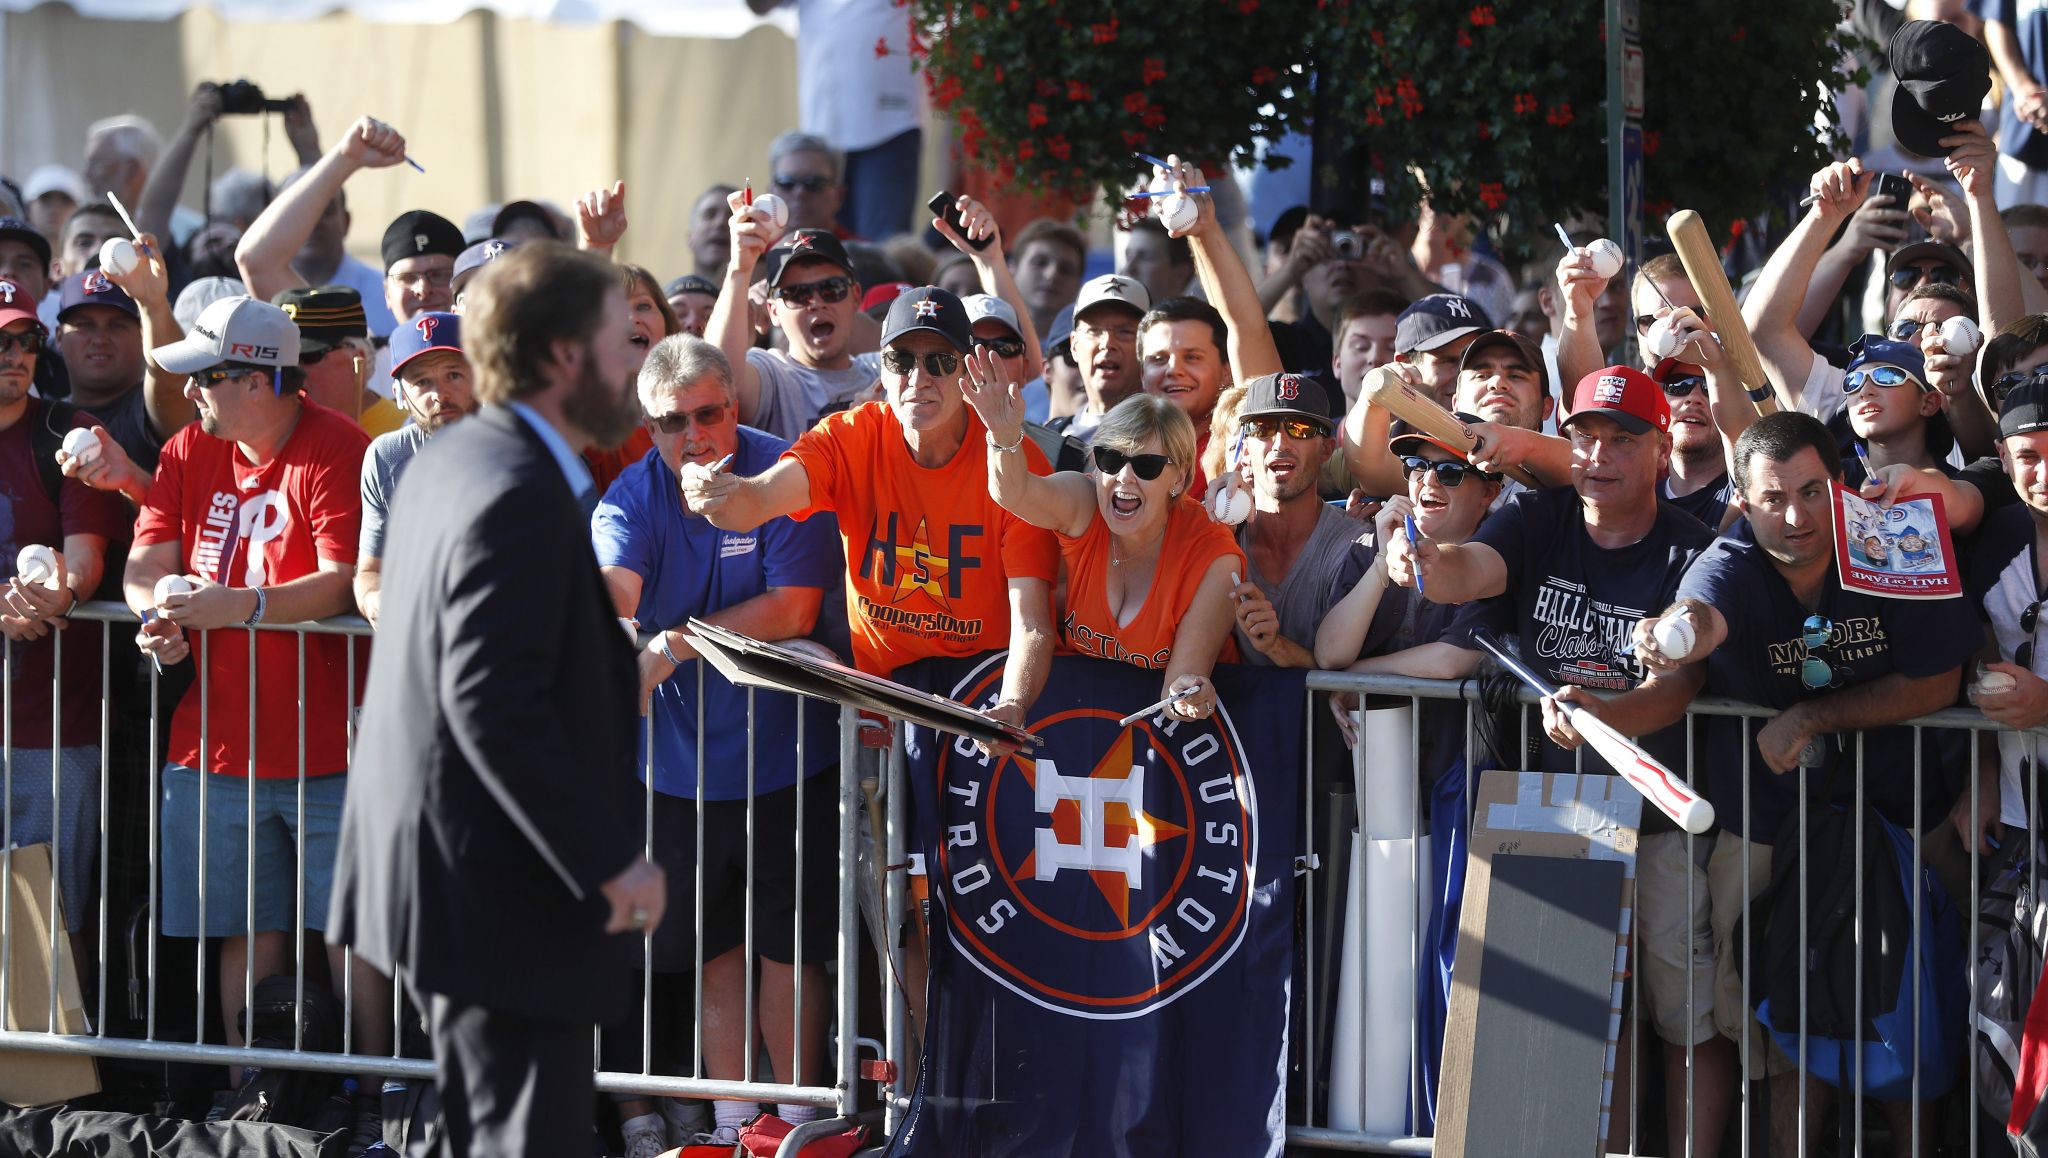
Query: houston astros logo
[427, 324]
[95, 282]
[803, 241]
[925, 309]
[1107, 875]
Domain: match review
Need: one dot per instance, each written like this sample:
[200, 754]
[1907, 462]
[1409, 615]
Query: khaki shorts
[1689, 899]
[1732, 1015]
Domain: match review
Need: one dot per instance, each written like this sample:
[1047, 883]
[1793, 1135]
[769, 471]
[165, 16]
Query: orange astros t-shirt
[1193, 542]
[928, 553]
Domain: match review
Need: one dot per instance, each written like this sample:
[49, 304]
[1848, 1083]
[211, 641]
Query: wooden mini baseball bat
[1672, 796]
[1702, 263]
[1425, 414]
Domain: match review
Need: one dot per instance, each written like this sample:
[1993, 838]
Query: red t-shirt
[928, 552]
[247, 526]
[28, 516]
[1193, 542]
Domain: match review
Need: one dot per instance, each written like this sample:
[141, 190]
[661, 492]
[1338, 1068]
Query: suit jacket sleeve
[509, 608]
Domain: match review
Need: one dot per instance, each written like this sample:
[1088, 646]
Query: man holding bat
[1774, 626]
[1570, 571]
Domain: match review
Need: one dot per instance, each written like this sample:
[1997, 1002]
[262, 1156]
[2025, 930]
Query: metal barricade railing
[1754, 1135]
[837, 1094]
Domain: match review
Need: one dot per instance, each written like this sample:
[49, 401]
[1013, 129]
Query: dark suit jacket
[493, 787]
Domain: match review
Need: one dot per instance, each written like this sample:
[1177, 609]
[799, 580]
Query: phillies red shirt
[243, 525]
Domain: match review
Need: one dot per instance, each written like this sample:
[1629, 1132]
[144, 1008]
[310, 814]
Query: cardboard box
[37, 1077]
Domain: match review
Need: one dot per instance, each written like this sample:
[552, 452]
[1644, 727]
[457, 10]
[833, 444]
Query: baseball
[1660, 340]
[773, 209]
[1607, 257]
[171, 585]
[1992, 683]
[1960, 336]
[1177, 211]
[1673, 636]
[37, 564]
[119, 257]
[83, 446]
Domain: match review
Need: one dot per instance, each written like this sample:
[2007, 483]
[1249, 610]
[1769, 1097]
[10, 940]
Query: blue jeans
[881, 187]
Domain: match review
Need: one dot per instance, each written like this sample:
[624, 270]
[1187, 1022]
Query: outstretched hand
[996, 395]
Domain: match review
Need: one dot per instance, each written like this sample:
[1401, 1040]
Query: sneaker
[368, 1131]
[687, 1118]
[222, 1099]
[646, 1137]
[722, 1136]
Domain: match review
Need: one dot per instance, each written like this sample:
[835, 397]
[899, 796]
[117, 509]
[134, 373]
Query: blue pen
[1149, 159]
[1165, 192]
[1869, 472]
[1413, 538]
[416, 165]
[721, 464]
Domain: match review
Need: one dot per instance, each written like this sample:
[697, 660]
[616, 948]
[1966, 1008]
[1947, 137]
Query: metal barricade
[837, 1094]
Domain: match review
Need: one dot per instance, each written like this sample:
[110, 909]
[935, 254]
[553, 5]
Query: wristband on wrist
[256, 616]
[1000, 448]
[662, 640]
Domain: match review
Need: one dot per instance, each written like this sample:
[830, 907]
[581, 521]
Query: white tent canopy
[695, 18]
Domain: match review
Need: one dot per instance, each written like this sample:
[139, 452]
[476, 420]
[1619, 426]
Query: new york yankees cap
[416, 232]
[93, 287]
[932, 310]
[1286, 396]
[1113, 289]
[476, 257]
[423, 335]
[233, 330]
[1944, 74]
[17, 304]
[1625, 394]
[1434, 320]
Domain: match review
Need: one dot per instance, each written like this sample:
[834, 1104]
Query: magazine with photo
[1903, 551]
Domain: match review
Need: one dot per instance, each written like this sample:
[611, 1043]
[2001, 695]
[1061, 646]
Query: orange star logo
[1099, 820]
[918, 569]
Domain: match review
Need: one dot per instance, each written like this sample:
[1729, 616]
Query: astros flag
[1111, 920]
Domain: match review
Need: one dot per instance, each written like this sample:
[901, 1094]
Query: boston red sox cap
[1286, 396]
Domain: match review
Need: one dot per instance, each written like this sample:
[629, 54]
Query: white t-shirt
[793, 395]
[845, 92]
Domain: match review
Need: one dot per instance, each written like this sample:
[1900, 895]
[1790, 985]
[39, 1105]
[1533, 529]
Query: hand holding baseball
[751, 236]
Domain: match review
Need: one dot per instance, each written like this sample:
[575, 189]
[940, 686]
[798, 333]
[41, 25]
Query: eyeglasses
[1682, 385]
[831, 289]
[1855, 380]
[1913, 275]
[807, 184]
[1903, 329]
[680, 421]
[2014, 379]
[2029, 619]
[1818, 631]
[1271, 428]
[208, 379]
[1448, 473]
[29, 342]
[1147, 466]
[1004, 347]
[432, 279]
[938, 363]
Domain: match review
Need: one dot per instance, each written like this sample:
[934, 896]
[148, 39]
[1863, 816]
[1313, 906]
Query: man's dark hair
[2007, 348]
[1051, 232]
[1178, 252]
[1370, 303]
[1189, 310]
[1781, 436]
[520, 305]
[1958, 295]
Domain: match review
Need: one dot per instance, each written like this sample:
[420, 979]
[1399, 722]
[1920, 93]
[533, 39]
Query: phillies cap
[423, 335]
[1944, 74]
[325, 315]
[932, 310]
[1872, 349]
[233, 330]
[418, 232]
[689, 283]
[2025, 409]
[16, 303]
[1401, 436]
[1286, 396]
[93, 288]
[1625, 394]
[1113, 289]
[807, 245]
[476, 257]
[991, 308]
[1436, 319]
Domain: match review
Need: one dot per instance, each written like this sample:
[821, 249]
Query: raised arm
[1772, 311]
[265, 253]
[1063, 503]
[1341, 635]
[731, 325]
[601, 219]
[1579, 352]
[160, 193]
[163, 393]
[994, 271]
[1225, 281]
[732, 503]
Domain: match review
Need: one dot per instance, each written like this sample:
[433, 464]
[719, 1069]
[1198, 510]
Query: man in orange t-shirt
[934, 566]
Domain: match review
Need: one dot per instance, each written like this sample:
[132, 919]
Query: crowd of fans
[892, 454]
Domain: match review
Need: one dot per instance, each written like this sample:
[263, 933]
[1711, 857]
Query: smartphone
[1893, 186]
[942, 208]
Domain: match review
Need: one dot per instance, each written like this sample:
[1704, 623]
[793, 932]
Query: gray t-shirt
[127, 419]
[1310, 588]
[381, 467]
[793, 395]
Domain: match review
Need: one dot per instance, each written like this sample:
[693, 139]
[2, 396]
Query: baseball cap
[202, 292]
[689, 283]
[1433, 320]
[930, 309]
[93, 288]
[1400, 435]
[15, 229]
[476, 257]
[423, 335]
[324, 314]
[233, 330]
[1931, 249]
[417, 232]
[878, 297]
[2025, 409]
[1625, 394]
[55, 179]
[806, 245]
[525, 211]
[17, 303]
[1286, 395]
[1944, 74]
[1532, 354]
[1113, 289]
[1871, 349]
[1061, 335]
[989, 306]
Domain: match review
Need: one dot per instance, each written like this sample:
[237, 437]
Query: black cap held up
[1944, 74]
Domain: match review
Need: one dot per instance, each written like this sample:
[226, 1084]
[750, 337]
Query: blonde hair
[1130, 422]
[1222, 431]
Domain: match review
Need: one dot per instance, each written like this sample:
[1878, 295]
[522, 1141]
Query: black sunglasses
[1817, 632]
[207, 379]
[1146, 466]
[1682, 385]
[2023, 655]
[1004, 347]
[2012, 380]
[939, 363]
[807, 184]
[1448, 473]
[831, 289]
[1913, 275]
[29, 342]
[680, 421]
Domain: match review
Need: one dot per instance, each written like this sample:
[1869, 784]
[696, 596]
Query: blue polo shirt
[688, 567]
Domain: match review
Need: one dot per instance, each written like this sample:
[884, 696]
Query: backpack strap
[1063, 451]
[45, 439]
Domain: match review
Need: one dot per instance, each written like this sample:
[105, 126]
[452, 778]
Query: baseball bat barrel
[1702, 263]
[1426, 414]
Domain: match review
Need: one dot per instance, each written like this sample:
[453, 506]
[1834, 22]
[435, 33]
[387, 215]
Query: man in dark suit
[489, 840]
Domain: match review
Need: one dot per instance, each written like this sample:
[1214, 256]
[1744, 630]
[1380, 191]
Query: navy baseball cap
[1871, 349]
[476, 257]
[1061, 335]
[933, 310]
[93, 288]
[15, 229]
[423, 335]
[1287, 395]
[1436, 319]
[808, 245]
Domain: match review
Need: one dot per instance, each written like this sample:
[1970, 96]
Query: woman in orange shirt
[1149, 574]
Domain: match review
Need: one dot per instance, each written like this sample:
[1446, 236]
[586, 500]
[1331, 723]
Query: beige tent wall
[496, 109]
